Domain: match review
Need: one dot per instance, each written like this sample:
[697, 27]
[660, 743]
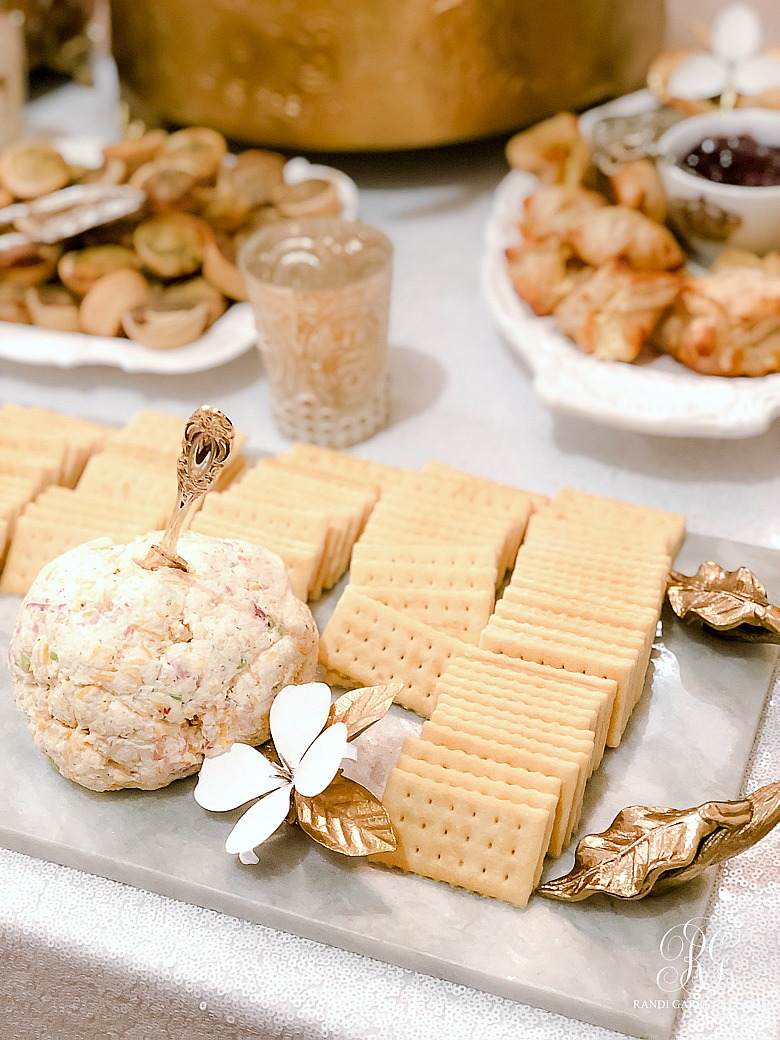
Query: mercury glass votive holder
[320, 291]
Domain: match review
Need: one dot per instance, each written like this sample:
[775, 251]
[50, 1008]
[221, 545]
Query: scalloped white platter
[601, 961]
[228, 338]
[657, 395]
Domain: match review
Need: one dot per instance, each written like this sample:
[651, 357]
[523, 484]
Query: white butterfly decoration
[735, 66]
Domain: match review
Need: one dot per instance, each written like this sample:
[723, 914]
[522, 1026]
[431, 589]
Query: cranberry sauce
[734, 160]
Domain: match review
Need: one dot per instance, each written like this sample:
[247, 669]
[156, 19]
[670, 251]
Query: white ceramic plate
[657, 397]
[227, 338]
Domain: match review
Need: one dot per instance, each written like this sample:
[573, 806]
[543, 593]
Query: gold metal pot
[378, 74]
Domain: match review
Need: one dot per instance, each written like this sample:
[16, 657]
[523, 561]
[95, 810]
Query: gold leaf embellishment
[733, 601]
[647, 848]
[359, 709]
[346, 818]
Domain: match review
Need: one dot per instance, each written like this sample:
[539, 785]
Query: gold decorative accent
[703, 219]
[728, 601]
[346, 818]
[208, 438]
[649, 849]
[359, 709]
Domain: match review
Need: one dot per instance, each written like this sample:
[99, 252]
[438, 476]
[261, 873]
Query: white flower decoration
[734, 66]
[310, 754]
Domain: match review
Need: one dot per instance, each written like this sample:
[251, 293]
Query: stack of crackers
[125, 489]
[587, 592]
[39, 448]
[496, 779]
[423, 579]
[308, 505]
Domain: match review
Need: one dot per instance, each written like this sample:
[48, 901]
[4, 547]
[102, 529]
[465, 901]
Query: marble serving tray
[601, 961]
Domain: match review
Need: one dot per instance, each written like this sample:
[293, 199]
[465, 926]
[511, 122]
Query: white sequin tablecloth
[83, 958]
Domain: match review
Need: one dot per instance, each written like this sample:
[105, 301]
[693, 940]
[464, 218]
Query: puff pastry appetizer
[617, 231]
[550, 212]
[612, 313]
[726, 323]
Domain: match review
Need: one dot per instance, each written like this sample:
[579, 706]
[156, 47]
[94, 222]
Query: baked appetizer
[129, 677]
[135, 151]
[310, 198]
[554, 150]
[726, 323]
[199, 150]
[636, 184]
[171, 246]
[167, 186]
[191, 293]
[612, 313]
[79, 269]
[252, 175]
[221, 270]
[29, 169]
[109, 299]
[13, 306]
[544, 273]
[153, 325]
[53, 307]
[28, 263]
[550, 212]
[617, 231]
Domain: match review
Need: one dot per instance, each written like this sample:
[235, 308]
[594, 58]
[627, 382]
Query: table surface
[90, 958]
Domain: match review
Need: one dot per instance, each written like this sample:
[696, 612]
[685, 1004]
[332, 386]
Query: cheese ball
[129, 677]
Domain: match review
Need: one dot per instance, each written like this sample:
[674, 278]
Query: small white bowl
[712, 216]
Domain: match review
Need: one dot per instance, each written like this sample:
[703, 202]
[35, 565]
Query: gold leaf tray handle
[734, 603]
[648, 849]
